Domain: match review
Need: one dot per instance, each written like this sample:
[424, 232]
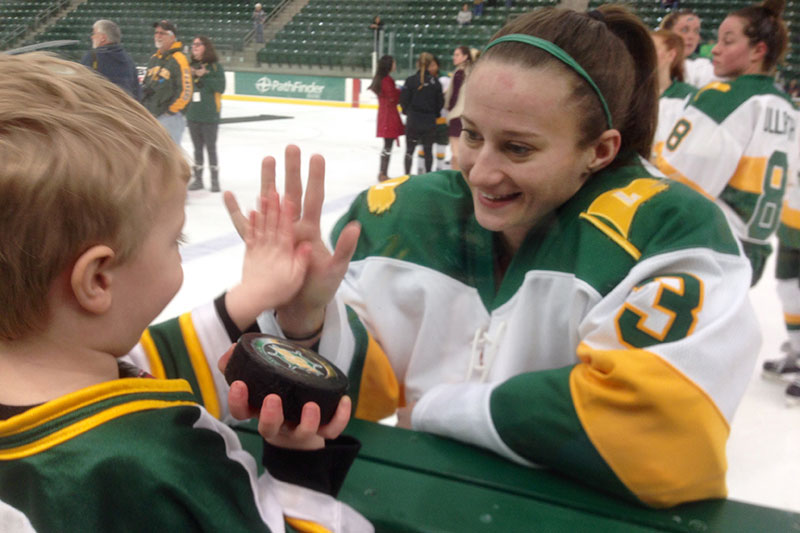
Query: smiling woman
[556, 302]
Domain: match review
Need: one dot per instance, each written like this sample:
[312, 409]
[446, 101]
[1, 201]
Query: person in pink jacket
[390, 126]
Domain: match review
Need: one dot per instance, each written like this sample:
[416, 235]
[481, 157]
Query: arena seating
[336, 32]
[332, 33]
[19, 16]
[225, 21]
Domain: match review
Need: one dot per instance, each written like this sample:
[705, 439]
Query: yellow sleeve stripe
[87, 424]
[673, 173]
[153, 358]
[790, 217]
[378, 393]
[306, 526]
[749, 175]
[791, 320]
[186, 83]
[73, 401]
[200, 366]
[673, 449]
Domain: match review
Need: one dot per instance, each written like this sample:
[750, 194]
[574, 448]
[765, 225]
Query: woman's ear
[606, 148]
[758, 52]
[91, 279]
[671, 55]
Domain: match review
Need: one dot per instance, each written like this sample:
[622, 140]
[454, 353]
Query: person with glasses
[167, 87]
[203, 113]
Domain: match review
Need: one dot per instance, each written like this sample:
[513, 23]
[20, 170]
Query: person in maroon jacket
[390, 126]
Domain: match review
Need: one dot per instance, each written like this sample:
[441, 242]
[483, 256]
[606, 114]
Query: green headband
[559, 54]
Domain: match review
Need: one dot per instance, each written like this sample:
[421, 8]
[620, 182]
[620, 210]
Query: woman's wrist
[301, 327]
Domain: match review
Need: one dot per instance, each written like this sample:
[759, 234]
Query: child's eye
[182, 239]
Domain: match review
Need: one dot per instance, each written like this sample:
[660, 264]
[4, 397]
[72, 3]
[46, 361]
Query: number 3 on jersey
[661, 309]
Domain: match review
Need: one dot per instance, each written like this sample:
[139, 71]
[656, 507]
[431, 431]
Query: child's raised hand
[274, 266]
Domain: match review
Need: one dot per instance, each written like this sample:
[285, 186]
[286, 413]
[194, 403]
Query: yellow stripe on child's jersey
[200, 365]
[153, 357]
[73, 430]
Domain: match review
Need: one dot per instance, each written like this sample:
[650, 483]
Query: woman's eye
[182, 239]
[470, 135]
[518, 149]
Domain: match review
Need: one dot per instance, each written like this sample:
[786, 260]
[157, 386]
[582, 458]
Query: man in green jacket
[167, 87]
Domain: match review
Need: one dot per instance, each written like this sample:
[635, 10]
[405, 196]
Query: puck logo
[291, 358]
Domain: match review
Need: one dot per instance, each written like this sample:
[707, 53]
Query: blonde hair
[425, 59]
[82, 164]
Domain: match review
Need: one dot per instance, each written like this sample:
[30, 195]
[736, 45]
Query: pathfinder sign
[291, 86]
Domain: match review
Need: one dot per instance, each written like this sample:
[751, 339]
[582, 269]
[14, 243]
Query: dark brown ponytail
[764, 24]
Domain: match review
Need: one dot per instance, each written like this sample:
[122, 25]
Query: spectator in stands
[698, 70]
[259, 18]
[203, 112]
[512, 305]
[167, 87]
[377, 31]
[675, 94]
[454, 99]
[477, 8]
[421, 101]
[464, 16]
[390, 126]
[793, 88]
[110, 59]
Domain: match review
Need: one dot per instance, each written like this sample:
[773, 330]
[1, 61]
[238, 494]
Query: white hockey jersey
[736, 142]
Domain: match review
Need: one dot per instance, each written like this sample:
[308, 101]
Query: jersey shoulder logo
[380, 197]
[612, 212]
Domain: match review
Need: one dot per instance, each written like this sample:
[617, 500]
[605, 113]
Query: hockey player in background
[735, 141]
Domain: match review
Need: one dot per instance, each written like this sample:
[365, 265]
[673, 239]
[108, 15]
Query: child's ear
[91, 279]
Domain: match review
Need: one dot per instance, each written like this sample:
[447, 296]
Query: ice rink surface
[764, 447]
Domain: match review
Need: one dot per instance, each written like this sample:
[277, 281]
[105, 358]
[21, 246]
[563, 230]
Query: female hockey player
[686, 23]
[554, 301]
[674, 93]
[735, 141]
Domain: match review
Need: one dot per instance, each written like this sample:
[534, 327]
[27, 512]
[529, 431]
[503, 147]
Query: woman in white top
[698, 70]
[674, 93]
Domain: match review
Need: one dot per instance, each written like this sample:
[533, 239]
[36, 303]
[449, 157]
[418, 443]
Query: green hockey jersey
[615, 349]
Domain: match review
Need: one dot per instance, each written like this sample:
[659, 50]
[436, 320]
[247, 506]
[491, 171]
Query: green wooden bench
[411, 481]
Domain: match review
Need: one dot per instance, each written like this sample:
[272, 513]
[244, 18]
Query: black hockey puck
[298, 375]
